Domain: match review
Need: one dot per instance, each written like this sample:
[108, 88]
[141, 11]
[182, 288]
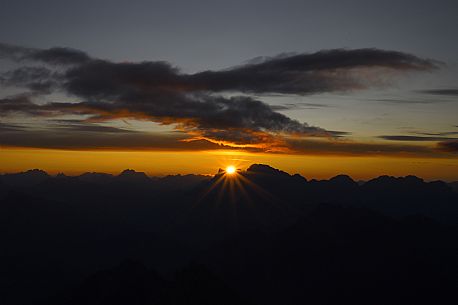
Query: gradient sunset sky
[319, 88]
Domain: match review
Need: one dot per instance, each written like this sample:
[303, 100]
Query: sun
[230, 170]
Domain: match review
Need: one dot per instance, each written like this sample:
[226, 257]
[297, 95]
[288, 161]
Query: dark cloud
[240, 120]
[60, 56]
[323, 71]
[52, 56]
[37, 79]
[449, 146]
[414, 138]
[452, 92]
[159, 92]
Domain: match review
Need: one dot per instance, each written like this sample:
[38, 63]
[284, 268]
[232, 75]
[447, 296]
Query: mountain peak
[265, 169]
[132, 172]
[342, 179]
[413, 179]
[35, 172]
[132, 175]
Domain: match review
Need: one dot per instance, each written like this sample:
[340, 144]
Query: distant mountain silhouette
[411, 195]
[179, 182]
[25, 179]
[98, 178]
[260, 236]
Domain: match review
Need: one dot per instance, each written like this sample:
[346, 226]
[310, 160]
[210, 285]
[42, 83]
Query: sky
[318, 88]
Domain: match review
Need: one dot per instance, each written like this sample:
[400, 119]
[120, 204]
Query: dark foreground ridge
[260, 236]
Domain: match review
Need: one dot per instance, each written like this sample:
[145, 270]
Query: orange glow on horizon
[158, 163]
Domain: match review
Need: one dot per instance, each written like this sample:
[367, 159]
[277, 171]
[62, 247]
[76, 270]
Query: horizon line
[52, 174]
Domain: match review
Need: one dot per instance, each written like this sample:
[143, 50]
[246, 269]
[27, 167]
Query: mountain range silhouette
[260, 236]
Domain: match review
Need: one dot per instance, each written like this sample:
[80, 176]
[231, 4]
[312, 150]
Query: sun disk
[230, 170]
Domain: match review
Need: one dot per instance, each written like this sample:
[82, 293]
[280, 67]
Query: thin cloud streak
[446, 92]
[414, 138]
[96, 139]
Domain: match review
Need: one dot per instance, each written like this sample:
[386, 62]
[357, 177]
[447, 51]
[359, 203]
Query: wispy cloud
[301, 105]
[441, 134]
[407, 101]
[9, 127]
[354, 148]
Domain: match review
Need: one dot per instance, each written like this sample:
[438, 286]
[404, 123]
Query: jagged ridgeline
[258, 236]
